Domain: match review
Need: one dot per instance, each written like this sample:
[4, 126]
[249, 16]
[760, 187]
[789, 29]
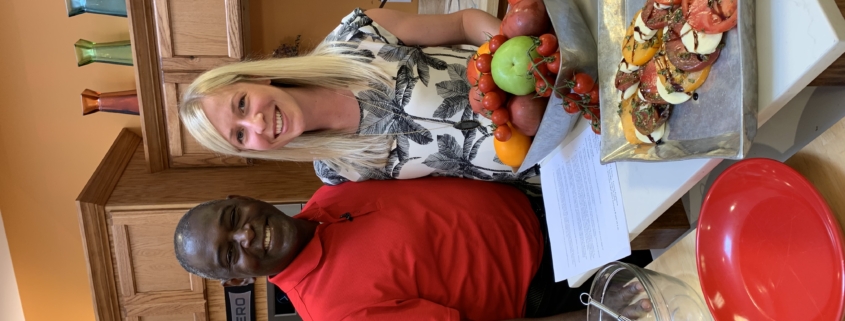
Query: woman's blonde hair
[330, 65]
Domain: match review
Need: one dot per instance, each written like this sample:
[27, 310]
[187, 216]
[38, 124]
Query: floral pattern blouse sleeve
[425, 111]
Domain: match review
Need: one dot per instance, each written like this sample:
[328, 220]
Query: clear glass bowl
[671, 298]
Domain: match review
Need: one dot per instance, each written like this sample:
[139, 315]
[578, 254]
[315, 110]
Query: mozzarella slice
[627, 68]
[657, 134]
[699, 42]
[661, 6]
[644, 33]
[630, 91]
[672, 98]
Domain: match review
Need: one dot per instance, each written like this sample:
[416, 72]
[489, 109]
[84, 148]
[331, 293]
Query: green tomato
[510, 65]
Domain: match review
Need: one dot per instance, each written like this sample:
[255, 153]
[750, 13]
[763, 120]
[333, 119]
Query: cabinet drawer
[196, 35]
[184, 150]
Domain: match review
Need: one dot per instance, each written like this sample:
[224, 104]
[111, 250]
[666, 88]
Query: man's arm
[469, 26]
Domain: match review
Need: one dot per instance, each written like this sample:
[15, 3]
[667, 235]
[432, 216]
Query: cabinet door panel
[152, 284]
[184, 150]
[196, 35]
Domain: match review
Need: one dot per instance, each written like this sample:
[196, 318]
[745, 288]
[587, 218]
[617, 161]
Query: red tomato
[502, 133]
[668, 2]
[593, 95]
[571, 105]
[596, 125]
[497, 42]
[548, 45]
[539, 68]
[486, 83]
[589, 112]
[501, 116]
[475, 98]
[472, 72]
[483, 63]
[526, 18]
[492, 100]
[526, 112]
[554, 64]
[583, 83]
[542, 89]
[711, 16]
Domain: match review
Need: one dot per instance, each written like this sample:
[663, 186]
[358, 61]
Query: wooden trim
[164, 298]
[667, 228]
[233, 29]
[94, 227]
[201, 316]
[162, 18]
[142, 33]
[197, 64]
[208, 160]
[171, 115]
[180, 307]
[144, 217]
[197, 284]
[124, 260]
[180, 77]
[503, 9]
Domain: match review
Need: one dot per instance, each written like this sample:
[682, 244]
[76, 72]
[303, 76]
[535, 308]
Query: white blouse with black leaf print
[430, 96]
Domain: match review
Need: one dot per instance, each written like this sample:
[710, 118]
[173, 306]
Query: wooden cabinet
[152, 284]
[173, 42]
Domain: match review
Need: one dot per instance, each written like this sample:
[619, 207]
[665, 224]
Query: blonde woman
[381, 98]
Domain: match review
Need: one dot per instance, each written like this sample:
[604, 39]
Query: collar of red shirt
[326, 210]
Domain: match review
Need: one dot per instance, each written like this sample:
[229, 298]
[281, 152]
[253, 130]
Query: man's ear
[240, 197]
[237, 282]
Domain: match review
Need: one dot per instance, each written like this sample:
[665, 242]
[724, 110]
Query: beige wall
[274, 21]
[48, 150]
[10, 300]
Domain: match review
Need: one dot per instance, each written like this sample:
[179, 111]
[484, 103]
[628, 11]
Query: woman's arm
[469, 26]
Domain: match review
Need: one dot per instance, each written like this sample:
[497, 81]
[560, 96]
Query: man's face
[240, 238]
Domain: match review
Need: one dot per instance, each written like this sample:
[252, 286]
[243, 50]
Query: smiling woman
[379, 98]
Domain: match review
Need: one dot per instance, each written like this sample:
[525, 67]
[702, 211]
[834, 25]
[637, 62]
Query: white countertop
[796, 41]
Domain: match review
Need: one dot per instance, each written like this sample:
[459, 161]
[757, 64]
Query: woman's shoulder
[357, 27]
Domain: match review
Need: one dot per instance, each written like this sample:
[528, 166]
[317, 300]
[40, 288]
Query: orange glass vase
[123, 102]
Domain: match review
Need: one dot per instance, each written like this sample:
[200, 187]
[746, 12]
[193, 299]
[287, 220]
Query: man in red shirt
[423, 249]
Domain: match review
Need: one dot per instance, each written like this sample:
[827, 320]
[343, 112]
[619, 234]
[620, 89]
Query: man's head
[237, 239]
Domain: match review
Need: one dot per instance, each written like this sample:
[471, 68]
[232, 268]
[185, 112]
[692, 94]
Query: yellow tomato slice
[639, 54]
[485, 48]
[689, 80]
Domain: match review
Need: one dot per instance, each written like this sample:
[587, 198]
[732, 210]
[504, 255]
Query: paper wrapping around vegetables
[578, 54]
[721, 123]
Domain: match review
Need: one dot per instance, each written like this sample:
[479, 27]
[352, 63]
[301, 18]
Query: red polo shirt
[421, 249]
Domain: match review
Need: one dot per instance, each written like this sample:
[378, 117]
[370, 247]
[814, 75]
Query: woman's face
[254, 116]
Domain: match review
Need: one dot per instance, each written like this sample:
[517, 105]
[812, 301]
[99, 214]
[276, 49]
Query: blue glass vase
[118, 52]
[107, 7]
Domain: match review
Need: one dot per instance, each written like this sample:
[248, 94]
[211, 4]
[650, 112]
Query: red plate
[768, 247]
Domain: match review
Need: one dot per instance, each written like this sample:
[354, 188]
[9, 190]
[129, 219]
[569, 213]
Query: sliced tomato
[688, 81]
[654, 18]
[648, 83]
[711, 16]
[647, 117]
[625, 80]
[687, 61]
[668, 2]
[636, 53]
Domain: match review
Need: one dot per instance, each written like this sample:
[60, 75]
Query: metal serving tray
[720, 124]
[578, 54]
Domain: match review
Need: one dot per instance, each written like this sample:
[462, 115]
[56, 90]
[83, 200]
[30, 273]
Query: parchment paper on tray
[721, 123]
[577, 53]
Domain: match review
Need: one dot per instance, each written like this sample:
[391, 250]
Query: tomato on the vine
[542, 89]
[497, 42]
[502, 133]
[548, 45]
[483, 62]
[553, 64]
[596, 125]
[590, 112]
[486, 83]
[500, 116]
[571, 105]
[539, 69]
[593, 95]
[492, 100]
[583, 83]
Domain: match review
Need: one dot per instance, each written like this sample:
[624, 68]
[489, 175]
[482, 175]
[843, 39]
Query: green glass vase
[107, 7]
[118, 52]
